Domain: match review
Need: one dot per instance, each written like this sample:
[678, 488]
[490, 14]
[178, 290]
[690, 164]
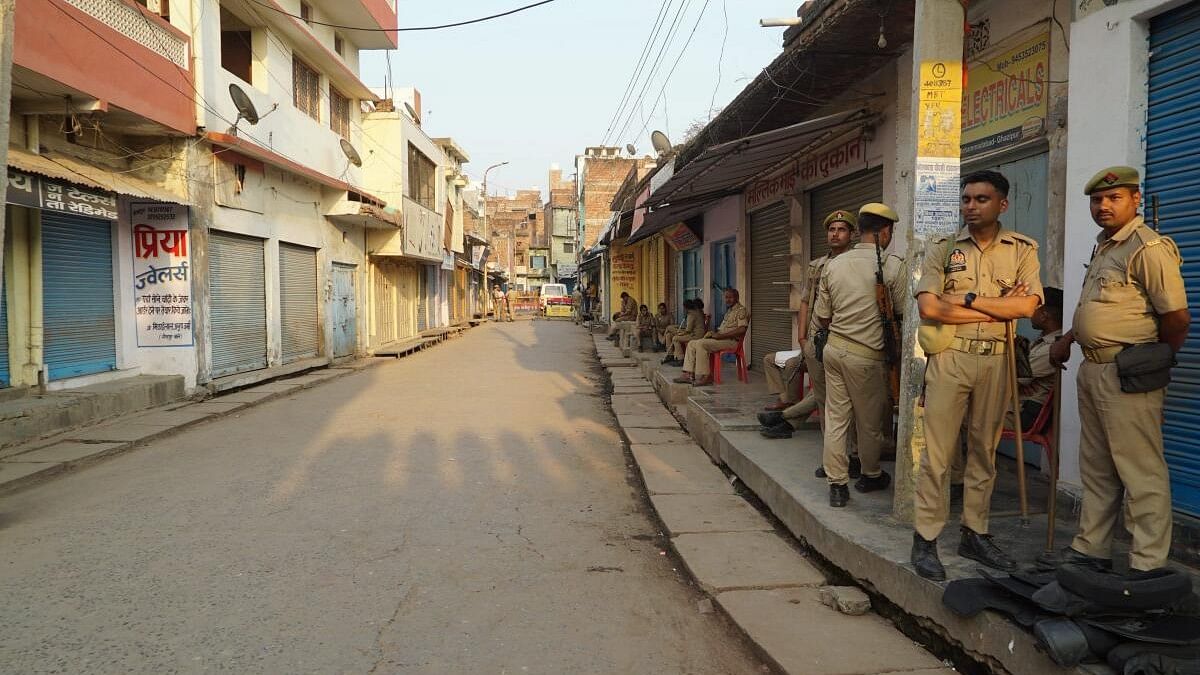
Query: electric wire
[407, 29]
[658, 61]
[638, 66]
[663, 90]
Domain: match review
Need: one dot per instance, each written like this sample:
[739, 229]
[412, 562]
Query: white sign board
[162, 286]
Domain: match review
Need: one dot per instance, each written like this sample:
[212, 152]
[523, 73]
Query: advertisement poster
[162, 286]
[623, 274]
[939, 130]
[1006, 99]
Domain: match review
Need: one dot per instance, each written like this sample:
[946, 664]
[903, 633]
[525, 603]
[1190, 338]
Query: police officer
[625, 320]
[976, 281]
[780, 378]
[856, 369]
[692, 329]
[733, 327]
[497, 303]
[510, 302]
[1133, 294]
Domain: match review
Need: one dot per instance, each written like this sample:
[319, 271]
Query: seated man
[663, 320]
[1035, 388]
[733, 327]
[781, 369]
[624, 320]
[693, 329]
[645, 326]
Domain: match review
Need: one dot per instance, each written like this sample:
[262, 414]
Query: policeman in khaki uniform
[1133, 294]
[976, 281]
[856, 370]
[678, 337]
[732, 328]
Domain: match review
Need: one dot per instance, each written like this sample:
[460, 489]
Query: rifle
[891, 328]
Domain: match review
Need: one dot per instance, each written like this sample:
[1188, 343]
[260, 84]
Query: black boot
[1054, 559]
[855, 467]
[925, 559]
[838, 495]
[781, 430]
[981, 549]
[873, 483]
[820, 472]
[770, 419]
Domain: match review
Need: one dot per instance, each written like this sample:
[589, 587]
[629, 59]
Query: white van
[557, 292]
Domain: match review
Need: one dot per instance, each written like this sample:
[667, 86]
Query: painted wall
[723, 220]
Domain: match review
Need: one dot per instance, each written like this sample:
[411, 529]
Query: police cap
[876, 209]
[843, 216]
[1113, 176]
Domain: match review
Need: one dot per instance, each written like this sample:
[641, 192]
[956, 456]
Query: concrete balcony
[108, 56]
[366, 13]
[420, 238]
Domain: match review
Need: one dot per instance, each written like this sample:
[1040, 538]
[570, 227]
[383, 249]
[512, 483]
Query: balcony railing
[128, 20]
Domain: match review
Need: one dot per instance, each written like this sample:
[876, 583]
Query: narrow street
[464, 510]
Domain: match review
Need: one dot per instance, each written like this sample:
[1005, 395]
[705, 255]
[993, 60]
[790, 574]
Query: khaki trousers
[856, 393]
[677, 346]
[816, 372]
[782, 380]
[696, 360]
[1121, 458]
[796, 413]
[958, 384]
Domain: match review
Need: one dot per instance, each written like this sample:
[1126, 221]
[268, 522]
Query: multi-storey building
[562, 224]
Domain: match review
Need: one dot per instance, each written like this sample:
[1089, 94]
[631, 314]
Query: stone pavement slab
[274, 387]
[659, 420]
[745, 560]
[684, 514]
[15, 473]
[214, 407]
[66, 452]
[639, 404]
[245, 396]
[657, 436]
[168, 418]
[623, 390]
[617, 363]
[120, 432]
[805, 638]
[679, 469]
[312, 378]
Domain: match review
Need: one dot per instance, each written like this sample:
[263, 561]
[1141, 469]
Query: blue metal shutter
[298, 302]
[1172, 146]
[343, 314]
[5, 378]
[237, 285]
[77, 287]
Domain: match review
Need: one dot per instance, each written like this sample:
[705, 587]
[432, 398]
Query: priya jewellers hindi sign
[1006, 98]
[162, 287]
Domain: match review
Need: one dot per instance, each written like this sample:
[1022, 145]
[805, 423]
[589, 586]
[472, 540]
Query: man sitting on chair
[1035, 389]
[733, 327]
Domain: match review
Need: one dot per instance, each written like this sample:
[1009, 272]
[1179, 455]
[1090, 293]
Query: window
[159, 7]
[239, 176]
[537, 262]
[339, 113]
[339, 45]
[306, 88]
[421, 170]
[306, 13]
[237, 55]
[568, 247]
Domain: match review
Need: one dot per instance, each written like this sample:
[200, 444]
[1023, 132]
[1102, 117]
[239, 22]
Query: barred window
[421, 175]
[339, 113]
[306, 88]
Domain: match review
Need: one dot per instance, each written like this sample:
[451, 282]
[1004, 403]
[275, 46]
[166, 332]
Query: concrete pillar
[937, 48]
[200, 188]
[8, 10]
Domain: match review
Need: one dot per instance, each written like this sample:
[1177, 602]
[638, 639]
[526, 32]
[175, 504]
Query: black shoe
[925, 559]
[820, 472]
[770, 419]
[873, 483]
[1068, 555]
[855, 467]
[981, 549]
[781, 430]
[838, 496]
[956, 494]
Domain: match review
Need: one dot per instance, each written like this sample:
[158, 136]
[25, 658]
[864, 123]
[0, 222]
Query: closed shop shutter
[5, 377]
[770, 317]
[407, 286]
[237, 285]
[422, 298]
[383, 290]
[298, 302]
[77, 287]
[847, 194]
[1172, 145]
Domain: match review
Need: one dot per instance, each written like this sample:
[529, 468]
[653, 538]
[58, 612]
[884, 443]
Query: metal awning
[362, 214]
[63, 167]
[618, 227]
[726, 169]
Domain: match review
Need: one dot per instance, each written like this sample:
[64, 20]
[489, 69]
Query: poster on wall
[162, 285]
[623, 274]
[1006, 101]
[939, 124]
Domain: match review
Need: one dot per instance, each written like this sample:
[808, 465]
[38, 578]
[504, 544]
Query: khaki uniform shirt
[1133, 278]
[811, 287]
[695, 324]
[957, 265]
[661, 321]
[629, 309]
[847, 294]
[1041, 370]
[735, 317]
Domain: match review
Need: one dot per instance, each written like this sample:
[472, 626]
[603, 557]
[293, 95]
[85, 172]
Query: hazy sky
[537, 87]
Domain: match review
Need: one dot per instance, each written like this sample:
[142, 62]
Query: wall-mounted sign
[939, 134]
[423, 231]
[681, 237]
[162, 287]
[1006, 99]
[37, 192]
[842, 158]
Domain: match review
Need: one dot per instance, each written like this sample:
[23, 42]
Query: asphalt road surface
[467, 509]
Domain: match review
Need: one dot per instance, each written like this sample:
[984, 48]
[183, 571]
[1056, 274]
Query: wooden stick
[1052, 497]
[1010, 341]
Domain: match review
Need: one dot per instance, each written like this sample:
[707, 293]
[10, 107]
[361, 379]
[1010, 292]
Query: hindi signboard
[939, 132]
[37, 192]
[1006, 98]
[681, 237]
[162, 286]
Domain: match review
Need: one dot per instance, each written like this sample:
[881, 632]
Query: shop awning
[617, 227]
[362, 214]
[727, 169]
[62, 167]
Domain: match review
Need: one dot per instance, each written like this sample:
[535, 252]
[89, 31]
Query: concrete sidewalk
[757, 577]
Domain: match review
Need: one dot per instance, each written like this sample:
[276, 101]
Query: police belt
[978, 347]
[1102, 354]
[852, 347]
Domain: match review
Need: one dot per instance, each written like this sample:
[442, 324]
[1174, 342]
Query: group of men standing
[502, 303]
[974, 286]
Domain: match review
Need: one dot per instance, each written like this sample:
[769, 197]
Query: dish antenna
[245, 107]
[630, 149]
[351, 153]
[661, 143]
[412, 113]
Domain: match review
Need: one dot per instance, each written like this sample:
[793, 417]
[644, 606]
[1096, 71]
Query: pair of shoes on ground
[672, 361]
[777, 406]
[978, 547]
[839, 495]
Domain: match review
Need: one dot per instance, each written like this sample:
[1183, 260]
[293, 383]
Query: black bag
[819, 339]
[1145, 367]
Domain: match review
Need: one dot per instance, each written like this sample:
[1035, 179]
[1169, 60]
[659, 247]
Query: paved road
[463, 510]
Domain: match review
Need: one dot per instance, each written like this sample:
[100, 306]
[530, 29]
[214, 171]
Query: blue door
[1172, 145]
[343, 311]
[77, 287]
[5, 378]
[724, 276]
[691, 278]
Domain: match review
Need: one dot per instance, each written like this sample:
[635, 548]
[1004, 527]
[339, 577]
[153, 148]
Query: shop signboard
[623, 273]
[162, 287]
[39, 192]
[1006, 98]
[681, 237]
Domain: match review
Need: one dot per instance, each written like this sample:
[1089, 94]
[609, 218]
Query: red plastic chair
[1039, 432]
[739, 354]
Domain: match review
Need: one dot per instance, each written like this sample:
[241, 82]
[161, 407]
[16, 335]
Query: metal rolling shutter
[848, 194]
[1172, 145]
[77, 287]
[298, 302]
[770, 315]
[422, 298]
[5, 377]
[239, 303]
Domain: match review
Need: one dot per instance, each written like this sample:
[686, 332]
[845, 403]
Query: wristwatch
[968, 299]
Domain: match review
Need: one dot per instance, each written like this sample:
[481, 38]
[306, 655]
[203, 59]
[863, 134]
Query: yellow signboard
[938, 122]
[1006, 100]
[624, 264]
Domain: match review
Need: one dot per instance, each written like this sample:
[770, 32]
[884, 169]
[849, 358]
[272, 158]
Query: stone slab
[617, 363]
[215, 407]
[244, 397]
[660, 420]
[657, 436]
[169, 418]
[13, 473]
[274, 387]
[686, 514]
[679, 469]
[313, 378]
[745, 560]
[805, 638]
[622, 390]
[69, 451]
[120, 432]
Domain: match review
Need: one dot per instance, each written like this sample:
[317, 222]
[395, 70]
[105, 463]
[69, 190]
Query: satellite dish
[245, 107]
[630, 148]
[412, 113]
[661, 143]
[351, 153]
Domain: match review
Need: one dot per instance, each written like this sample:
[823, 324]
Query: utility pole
[8, 17]
[930, 159]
